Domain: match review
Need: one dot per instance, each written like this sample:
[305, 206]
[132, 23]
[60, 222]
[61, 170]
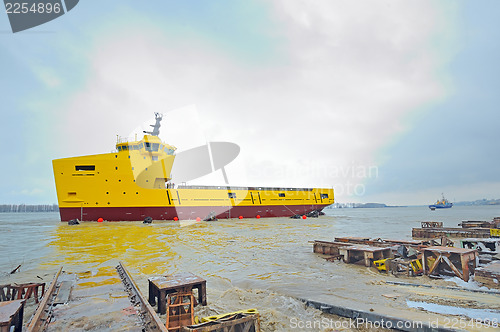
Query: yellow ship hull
[133, 183]
[108, 186]
[200, 208]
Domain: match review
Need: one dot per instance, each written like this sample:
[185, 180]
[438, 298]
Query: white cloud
[336, 88]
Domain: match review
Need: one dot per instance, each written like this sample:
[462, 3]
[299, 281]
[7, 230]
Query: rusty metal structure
[495, 223]
[149, 318]
[11, 315]
[179, 305]
[364, 253]
[379, 242]
[180, 310]
[332, 248]
[462, 262]
[21, 291]
[439, 232]
[406, 266]
[161, 287]
[490, 246]
[236, 322]
[43, 313]
[328, 248]
[174, 296]
[401, 256]
[431, 224]
[468, 228]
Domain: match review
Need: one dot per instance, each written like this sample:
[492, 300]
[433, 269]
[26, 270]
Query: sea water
[263, 263]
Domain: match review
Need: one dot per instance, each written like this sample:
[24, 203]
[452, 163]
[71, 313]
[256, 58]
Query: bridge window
[231, 195]
[281, 195]
[152, 147]
[85, 167]
[168, 151]
[323, 196]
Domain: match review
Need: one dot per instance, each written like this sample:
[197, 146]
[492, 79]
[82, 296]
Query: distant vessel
[443, 203]
[134, 183]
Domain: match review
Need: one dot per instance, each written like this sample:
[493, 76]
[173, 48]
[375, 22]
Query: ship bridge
[150, 144]
[150, 160]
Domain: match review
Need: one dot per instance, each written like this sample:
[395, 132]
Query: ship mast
[156, 126]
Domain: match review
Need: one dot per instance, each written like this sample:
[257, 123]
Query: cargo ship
[134, 183]
[443, 203]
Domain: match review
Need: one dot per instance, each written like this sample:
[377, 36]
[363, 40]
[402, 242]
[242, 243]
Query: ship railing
[243, 188]
[123, 140]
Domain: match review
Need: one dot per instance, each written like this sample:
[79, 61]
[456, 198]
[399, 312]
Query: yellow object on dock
[494, 232]
[380, 264]
[416, 266]
[217, 317]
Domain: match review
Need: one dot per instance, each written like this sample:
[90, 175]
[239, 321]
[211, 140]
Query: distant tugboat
[443, 203]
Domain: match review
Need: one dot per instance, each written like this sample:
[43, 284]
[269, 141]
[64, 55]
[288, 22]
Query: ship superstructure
[133, 183]
[442, 203]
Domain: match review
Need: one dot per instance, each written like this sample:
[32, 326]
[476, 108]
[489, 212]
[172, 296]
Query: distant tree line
[483, 201]
[29, 208]
[357, 205]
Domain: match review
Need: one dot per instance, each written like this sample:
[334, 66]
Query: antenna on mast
[156, 126]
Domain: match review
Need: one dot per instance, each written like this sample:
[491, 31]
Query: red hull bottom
[183, 213]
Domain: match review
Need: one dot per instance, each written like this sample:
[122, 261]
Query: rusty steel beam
[42, 314]
[150, 320]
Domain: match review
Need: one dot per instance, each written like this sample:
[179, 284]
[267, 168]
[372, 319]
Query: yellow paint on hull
[129, 178]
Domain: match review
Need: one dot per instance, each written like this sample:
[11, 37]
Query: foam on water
[265, 264]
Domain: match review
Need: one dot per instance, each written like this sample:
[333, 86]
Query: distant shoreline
[15, 208]
[363, 206]
[480, 202]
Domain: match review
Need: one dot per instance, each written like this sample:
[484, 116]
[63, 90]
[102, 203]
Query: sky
[385, 101]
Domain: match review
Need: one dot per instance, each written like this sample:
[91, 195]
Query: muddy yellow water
[266, 264]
